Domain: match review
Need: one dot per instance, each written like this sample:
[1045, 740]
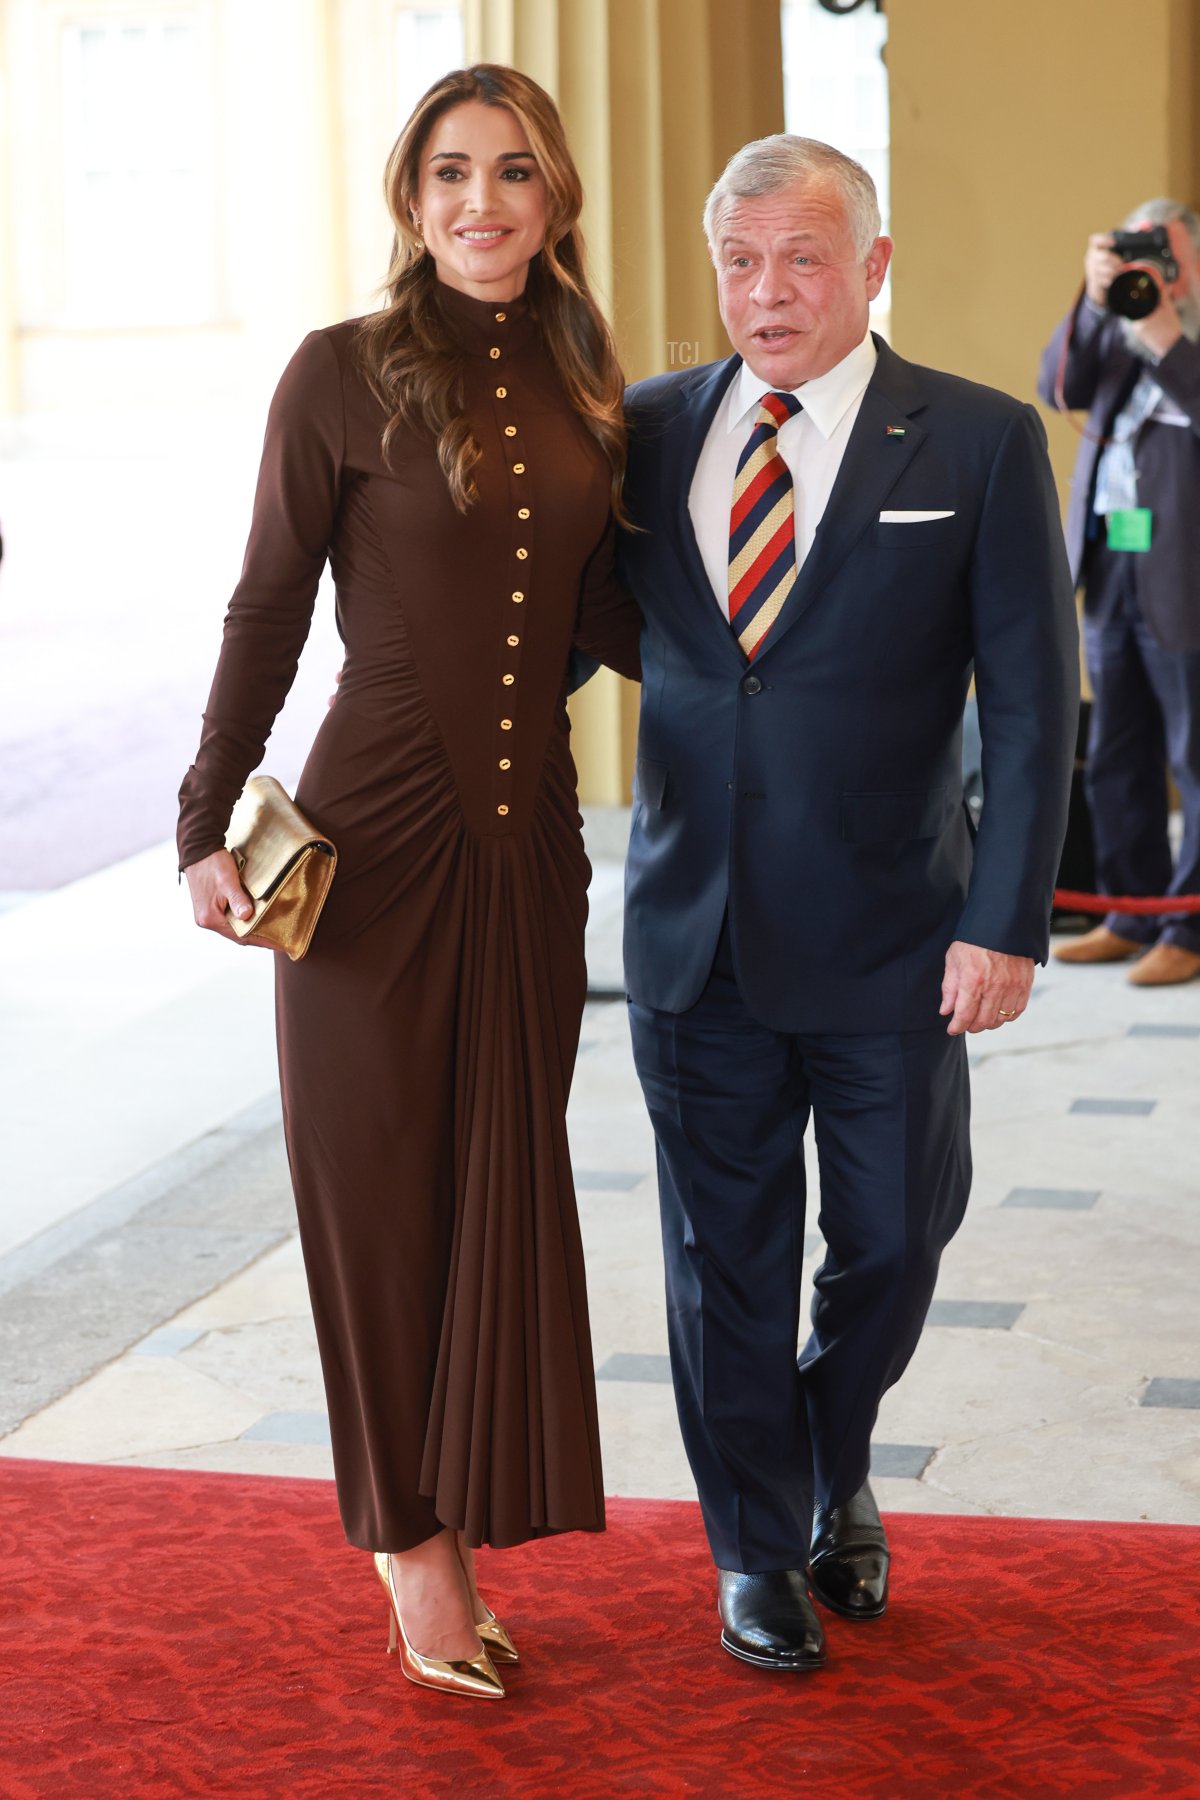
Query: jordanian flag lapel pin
[893, 430]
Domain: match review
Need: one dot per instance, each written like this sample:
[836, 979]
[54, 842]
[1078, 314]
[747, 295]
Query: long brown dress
[426, 1042]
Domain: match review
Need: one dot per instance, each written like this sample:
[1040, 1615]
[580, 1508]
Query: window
[138, 208]
[835, 88]
[429, 43]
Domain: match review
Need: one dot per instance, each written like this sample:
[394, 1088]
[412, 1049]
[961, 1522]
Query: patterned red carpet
[171, 1634]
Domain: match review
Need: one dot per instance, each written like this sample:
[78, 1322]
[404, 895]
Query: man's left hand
[1161, 330]
[982, 989]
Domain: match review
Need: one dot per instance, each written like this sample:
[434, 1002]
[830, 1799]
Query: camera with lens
[1134, 293]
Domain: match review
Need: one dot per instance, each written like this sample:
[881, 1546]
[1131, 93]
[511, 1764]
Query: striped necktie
[762, 528]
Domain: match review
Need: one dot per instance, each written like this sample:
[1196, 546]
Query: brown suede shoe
[1165, 965]
[1100, 945]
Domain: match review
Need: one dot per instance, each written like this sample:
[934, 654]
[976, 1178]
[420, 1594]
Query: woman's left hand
[217, 891]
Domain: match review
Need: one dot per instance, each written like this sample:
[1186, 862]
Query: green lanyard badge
[1129, 528]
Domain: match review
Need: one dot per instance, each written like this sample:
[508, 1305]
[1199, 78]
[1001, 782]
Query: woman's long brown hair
[409, 350]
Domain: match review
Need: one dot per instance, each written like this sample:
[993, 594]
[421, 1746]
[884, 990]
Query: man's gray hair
[771, 163]
[1163, 211]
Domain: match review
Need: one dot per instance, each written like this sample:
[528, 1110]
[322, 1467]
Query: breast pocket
[890, 534]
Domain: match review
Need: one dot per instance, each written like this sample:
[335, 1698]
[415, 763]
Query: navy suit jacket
[1098, 374]
[816, 796]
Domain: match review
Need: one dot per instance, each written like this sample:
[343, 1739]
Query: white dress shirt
[812, 445]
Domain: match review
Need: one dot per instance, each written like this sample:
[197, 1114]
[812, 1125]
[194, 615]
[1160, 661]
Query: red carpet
[170, 1634]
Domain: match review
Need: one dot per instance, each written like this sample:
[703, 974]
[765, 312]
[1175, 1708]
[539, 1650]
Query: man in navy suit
[1138, 465]
[831, 541]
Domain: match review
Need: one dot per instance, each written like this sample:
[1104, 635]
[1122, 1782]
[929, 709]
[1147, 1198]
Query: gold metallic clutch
[285, 864]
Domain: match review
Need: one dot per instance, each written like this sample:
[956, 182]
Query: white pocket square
[911, 518]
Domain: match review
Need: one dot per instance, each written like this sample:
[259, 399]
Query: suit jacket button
[751, 684]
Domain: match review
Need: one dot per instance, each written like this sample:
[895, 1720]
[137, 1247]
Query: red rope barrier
[1067, 900]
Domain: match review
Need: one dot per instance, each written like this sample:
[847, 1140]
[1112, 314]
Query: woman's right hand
[216, 891]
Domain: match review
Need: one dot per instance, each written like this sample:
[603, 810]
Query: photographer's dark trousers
[1145, 716]
[729, 1100]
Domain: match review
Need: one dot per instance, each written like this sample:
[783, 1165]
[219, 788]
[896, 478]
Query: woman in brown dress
[456, 458]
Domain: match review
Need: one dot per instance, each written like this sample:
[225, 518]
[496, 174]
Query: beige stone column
[656, 95]
[1017, 130]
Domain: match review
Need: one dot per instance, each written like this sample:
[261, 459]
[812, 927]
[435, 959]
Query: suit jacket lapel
[875, 459]
[679, 458]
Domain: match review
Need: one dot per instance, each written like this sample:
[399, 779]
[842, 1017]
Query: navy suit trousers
[730, 1100]
[1145, 715]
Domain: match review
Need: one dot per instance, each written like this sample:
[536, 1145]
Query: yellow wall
[1017, 130]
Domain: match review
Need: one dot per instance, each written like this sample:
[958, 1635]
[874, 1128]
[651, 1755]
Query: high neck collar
[487, 324]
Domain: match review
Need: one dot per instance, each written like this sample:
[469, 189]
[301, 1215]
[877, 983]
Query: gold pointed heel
[477, 1676]
[500, 1646]
[491, 1632]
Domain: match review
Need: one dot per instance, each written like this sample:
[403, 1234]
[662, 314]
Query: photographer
[1129, 353]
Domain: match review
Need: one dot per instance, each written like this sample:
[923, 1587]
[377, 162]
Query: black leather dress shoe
[769, 1620]
[849, 1561]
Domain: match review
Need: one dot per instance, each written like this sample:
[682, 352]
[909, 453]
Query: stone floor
[152, 1301]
